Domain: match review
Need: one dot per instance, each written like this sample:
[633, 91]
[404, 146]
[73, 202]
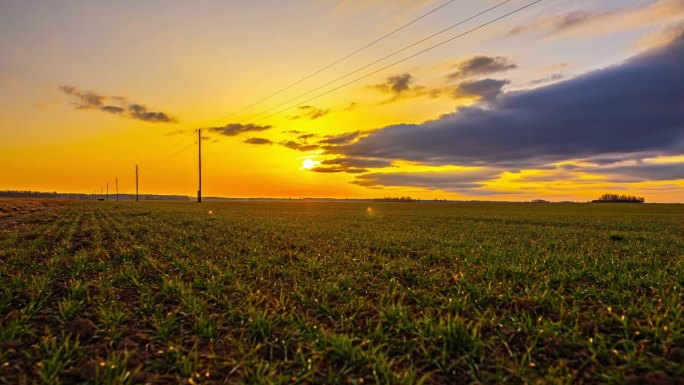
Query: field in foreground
[170, 293]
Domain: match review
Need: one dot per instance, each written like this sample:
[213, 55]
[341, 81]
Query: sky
[488, 100]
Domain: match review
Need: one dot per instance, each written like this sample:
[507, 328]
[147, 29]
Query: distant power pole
[116, 182]
[137, 198]
[199, 147]
[107, 196]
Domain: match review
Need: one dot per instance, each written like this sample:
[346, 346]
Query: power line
[401, 61]
[386, 57]
[160, 157]
[169, 149]
[170, 157]
[374, 42]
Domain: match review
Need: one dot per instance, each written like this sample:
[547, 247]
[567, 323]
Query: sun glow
[308, 164]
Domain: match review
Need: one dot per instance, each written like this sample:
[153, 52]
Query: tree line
[617, 198]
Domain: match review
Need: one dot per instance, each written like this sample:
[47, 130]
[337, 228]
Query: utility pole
[137, 198]
[199, 147]
[107, 196]
[116, 182]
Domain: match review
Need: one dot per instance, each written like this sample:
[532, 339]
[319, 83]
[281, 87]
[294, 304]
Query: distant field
[342, 293]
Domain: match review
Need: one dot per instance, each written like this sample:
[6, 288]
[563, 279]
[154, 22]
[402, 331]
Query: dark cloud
[641, 172]
[258, 141]
[299, 146]
[457, 181]
[306, 136]
[87, 99]
[481, 65]
[549, 79]
[350, 165]
[395, 84]
[140, 112]
[310, 112]
[235, 129]
[631, 173]
[487, 89]
[113, 109]
[569, 167]
[339, 169]
[625, 110]
[341, 139]
[117, 105]
[400, 87]
[357, 162]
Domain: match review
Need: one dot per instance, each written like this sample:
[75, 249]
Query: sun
[308, 164]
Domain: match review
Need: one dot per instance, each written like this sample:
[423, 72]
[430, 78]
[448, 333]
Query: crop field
[342, 293]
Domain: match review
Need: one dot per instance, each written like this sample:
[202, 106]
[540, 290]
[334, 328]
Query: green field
[343, 293]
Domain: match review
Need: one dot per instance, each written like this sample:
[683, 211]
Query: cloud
[592, 22]
[481, 65]
[661, 36]
[455, 181]
[304, 147]
[115, 110]
[572, 19]
[358, 162]
[400, 87]
[487, 89]
[140, 112]
[621, 111]
[310, 112]
[549, 79]
[639, 172]
[258, 141]
[339, 169]
[116, 105]
[234, 129]
[341, 139]
[395, 84]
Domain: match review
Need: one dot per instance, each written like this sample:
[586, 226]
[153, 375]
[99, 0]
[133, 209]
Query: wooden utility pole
[107, 196]
[137, 198]
[199, 147]
[116, 182]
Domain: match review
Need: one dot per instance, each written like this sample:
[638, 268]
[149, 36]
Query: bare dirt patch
[17, 210]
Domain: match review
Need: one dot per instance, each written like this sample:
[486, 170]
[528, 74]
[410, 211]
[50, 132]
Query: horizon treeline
[620, 198]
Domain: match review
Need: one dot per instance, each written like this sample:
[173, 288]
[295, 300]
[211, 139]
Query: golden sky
[562, 100]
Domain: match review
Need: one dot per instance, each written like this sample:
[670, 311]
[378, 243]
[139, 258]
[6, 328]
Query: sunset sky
[562, 100]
